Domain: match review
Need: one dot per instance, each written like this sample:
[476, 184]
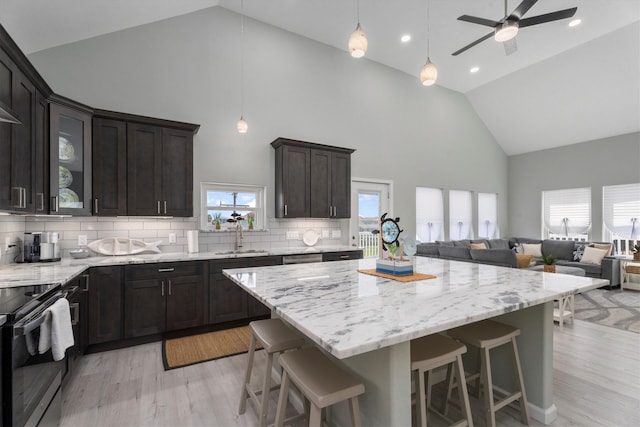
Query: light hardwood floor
[596, 383]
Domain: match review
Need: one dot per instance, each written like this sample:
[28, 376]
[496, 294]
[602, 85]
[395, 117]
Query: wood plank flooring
[596, 383]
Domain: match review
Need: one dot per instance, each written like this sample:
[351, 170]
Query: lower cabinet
[105, 304]
[342, 256]
[164, 297]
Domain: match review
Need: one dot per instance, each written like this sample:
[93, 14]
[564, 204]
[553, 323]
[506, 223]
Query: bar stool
[275, 337]
[427, 354]
[321, 382]
[487, 335]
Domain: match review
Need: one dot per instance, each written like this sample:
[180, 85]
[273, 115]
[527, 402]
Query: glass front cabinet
[70, 145]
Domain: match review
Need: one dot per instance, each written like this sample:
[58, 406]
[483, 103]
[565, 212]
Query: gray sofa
[502, 252]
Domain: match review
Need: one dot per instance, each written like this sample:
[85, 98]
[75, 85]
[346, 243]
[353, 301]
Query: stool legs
[462, 391]
[266, 389]
[524, 409]
[247, 377]
[282, 399]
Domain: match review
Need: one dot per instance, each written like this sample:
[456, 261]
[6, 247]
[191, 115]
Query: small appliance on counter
[41, 246]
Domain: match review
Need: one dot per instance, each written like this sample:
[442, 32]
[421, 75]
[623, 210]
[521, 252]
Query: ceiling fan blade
[522, 8]
[548, 17]
[510, 46]
[479, 21]
[470, 45]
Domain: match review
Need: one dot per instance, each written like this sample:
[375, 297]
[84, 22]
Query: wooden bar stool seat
[427, 354]
[321, 382]
[275, 337]
[486, 335]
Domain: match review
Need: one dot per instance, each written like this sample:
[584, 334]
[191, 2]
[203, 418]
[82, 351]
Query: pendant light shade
[428, 73]
[358, 43]
[242, 125]
[506, 31]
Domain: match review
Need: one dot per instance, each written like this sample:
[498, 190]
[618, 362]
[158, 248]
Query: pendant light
[429, 72]
[358, 40]
[242, 126]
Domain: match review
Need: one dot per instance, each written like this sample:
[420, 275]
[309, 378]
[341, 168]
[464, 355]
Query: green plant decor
[636, 248]
[548, 260]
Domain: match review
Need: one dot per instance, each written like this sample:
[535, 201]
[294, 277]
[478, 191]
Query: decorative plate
[66, 152]
[310, 237]
[409, 246]
[68, 198]
[65, 178]
[123, 246]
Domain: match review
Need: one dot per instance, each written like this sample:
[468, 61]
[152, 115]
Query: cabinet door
[295, 189]
[341, 185]
[70, 155]
[144, 307]
[105, 304]
[41, 166]
[23, 146]
[228, 300]
[321, 206]
[144, 165]
[177, 173]
[186, 302]
[7, 71]
[109, 167]
[341, 256]
[254, 307]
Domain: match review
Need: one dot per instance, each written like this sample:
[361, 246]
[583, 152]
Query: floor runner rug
[615, 308]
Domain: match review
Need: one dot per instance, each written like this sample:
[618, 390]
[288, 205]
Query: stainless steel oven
[31, 381]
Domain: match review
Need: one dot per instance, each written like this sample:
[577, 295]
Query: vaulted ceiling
[564, 85]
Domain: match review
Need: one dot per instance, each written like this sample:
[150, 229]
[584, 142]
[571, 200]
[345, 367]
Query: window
[488, 215]
[219, 201]
[621, 215]
[429, 214]
[460, 215]
[567, 213]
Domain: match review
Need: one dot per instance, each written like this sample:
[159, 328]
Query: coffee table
[565, 304]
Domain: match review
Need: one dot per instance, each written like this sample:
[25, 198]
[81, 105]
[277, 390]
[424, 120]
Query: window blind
[429, 214]
[460, 215]
[488, 215]
[621, 210]
[567, 212]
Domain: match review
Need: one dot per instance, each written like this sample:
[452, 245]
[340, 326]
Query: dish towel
[56, 331]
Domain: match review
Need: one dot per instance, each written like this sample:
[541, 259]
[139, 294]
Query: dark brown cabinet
[164, 297]
[312, 180]
[109, 167]
[41, 168]
[70, 157]
[105, 304]
[76, 290]
[342, 256]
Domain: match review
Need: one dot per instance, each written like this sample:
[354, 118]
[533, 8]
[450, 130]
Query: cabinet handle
[75, 314]
[344, 257]
[95, 205]
[165, 207]
[163, 288]
[165, 270]
[158, 207]
[169, 287]
[86, 283]
[335, 211]
[24, 190]
[41, 197]
[285, 210]
[54, 201]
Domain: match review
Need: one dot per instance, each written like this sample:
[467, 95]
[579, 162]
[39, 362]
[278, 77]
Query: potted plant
[549, 262]
[636, 252]
[216, 220]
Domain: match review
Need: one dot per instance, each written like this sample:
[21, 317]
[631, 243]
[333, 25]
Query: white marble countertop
[349, 313]
[60, 272]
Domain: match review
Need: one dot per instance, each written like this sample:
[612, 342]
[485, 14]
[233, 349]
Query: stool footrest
[506, 400]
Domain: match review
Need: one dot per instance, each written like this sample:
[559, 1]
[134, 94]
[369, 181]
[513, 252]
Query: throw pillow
[578, 252]
[517, 248]
[605, 246]
[478, 246]
[533, 249]
[524, 260]
[593, 255]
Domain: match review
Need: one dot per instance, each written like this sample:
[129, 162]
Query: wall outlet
[335, 234]
[172, 237]
[292, 235]
[82, 240]
[326, 234]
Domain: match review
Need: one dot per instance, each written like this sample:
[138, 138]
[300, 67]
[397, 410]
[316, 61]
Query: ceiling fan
[506, 29]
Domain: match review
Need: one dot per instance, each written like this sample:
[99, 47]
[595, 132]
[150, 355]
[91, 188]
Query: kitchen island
[366, 323]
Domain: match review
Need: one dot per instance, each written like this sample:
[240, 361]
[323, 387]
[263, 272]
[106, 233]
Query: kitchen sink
[242, 251]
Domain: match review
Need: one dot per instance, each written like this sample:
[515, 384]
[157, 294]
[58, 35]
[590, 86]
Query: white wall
[187, 68]
[609, 161]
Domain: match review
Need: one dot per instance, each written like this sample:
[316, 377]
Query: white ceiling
[551, 92]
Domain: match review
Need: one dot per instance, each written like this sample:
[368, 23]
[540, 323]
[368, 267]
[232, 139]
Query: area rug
[615, 308]
[185, 351]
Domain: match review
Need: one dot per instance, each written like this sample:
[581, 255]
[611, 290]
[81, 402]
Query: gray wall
[609, 161]
[187, 68]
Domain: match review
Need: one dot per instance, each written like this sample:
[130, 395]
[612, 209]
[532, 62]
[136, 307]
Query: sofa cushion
[465, 243]
[498, 244]
[501, 257]
[534, 249]
[427, 249]
[561, 249]
[459, 252]
[606, 246]
[591, 270]
[524, 261]
[526, 240]
[444, 243]
[593, 255]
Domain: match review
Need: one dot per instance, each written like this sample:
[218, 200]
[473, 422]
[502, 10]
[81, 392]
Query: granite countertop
[349, 313]
[61, 272]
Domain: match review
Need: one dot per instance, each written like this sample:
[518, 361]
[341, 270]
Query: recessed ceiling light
[474, 69]
[405, 38]
[575, 22]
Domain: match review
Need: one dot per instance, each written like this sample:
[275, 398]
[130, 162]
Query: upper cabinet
[70, 157]
[312, 180]
[109, 167]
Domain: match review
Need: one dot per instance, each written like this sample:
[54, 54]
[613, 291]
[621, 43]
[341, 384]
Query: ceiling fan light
[506, 31]
[358, 43]
[242, 125]
[428, 73]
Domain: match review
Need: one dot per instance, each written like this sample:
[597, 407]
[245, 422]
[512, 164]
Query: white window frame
[621, 215]
[429, 214]
[460, 214]
[566, 214]
[260, 208]
[488, 216]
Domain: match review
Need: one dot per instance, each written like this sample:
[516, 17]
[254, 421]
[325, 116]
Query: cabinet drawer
[265, 261]
[341, 256]
[152, 271]
[216, 266]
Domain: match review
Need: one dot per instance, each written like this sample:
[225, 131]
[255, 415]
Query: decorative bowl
[79, 253]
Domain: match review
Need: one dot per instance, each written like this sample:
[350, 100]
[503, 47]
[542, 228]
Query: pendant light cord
[241, 58]
[358, 11]
[428, 31]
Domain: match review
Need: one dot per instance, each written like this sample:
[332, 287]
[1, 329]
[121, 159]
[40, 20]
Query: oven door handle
[19, 330]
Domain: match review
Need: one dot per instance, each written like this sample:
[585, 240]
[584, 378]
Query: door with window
[369, 200]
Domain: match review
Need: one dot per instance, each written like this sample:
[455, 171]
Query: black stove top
[12, 299]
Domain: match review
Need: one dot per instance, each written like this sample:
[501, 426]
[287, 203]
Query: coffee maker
[31, 247]
[41, 246]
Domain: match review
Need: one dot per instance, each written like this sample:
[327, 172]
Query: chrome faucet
[238, 236]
